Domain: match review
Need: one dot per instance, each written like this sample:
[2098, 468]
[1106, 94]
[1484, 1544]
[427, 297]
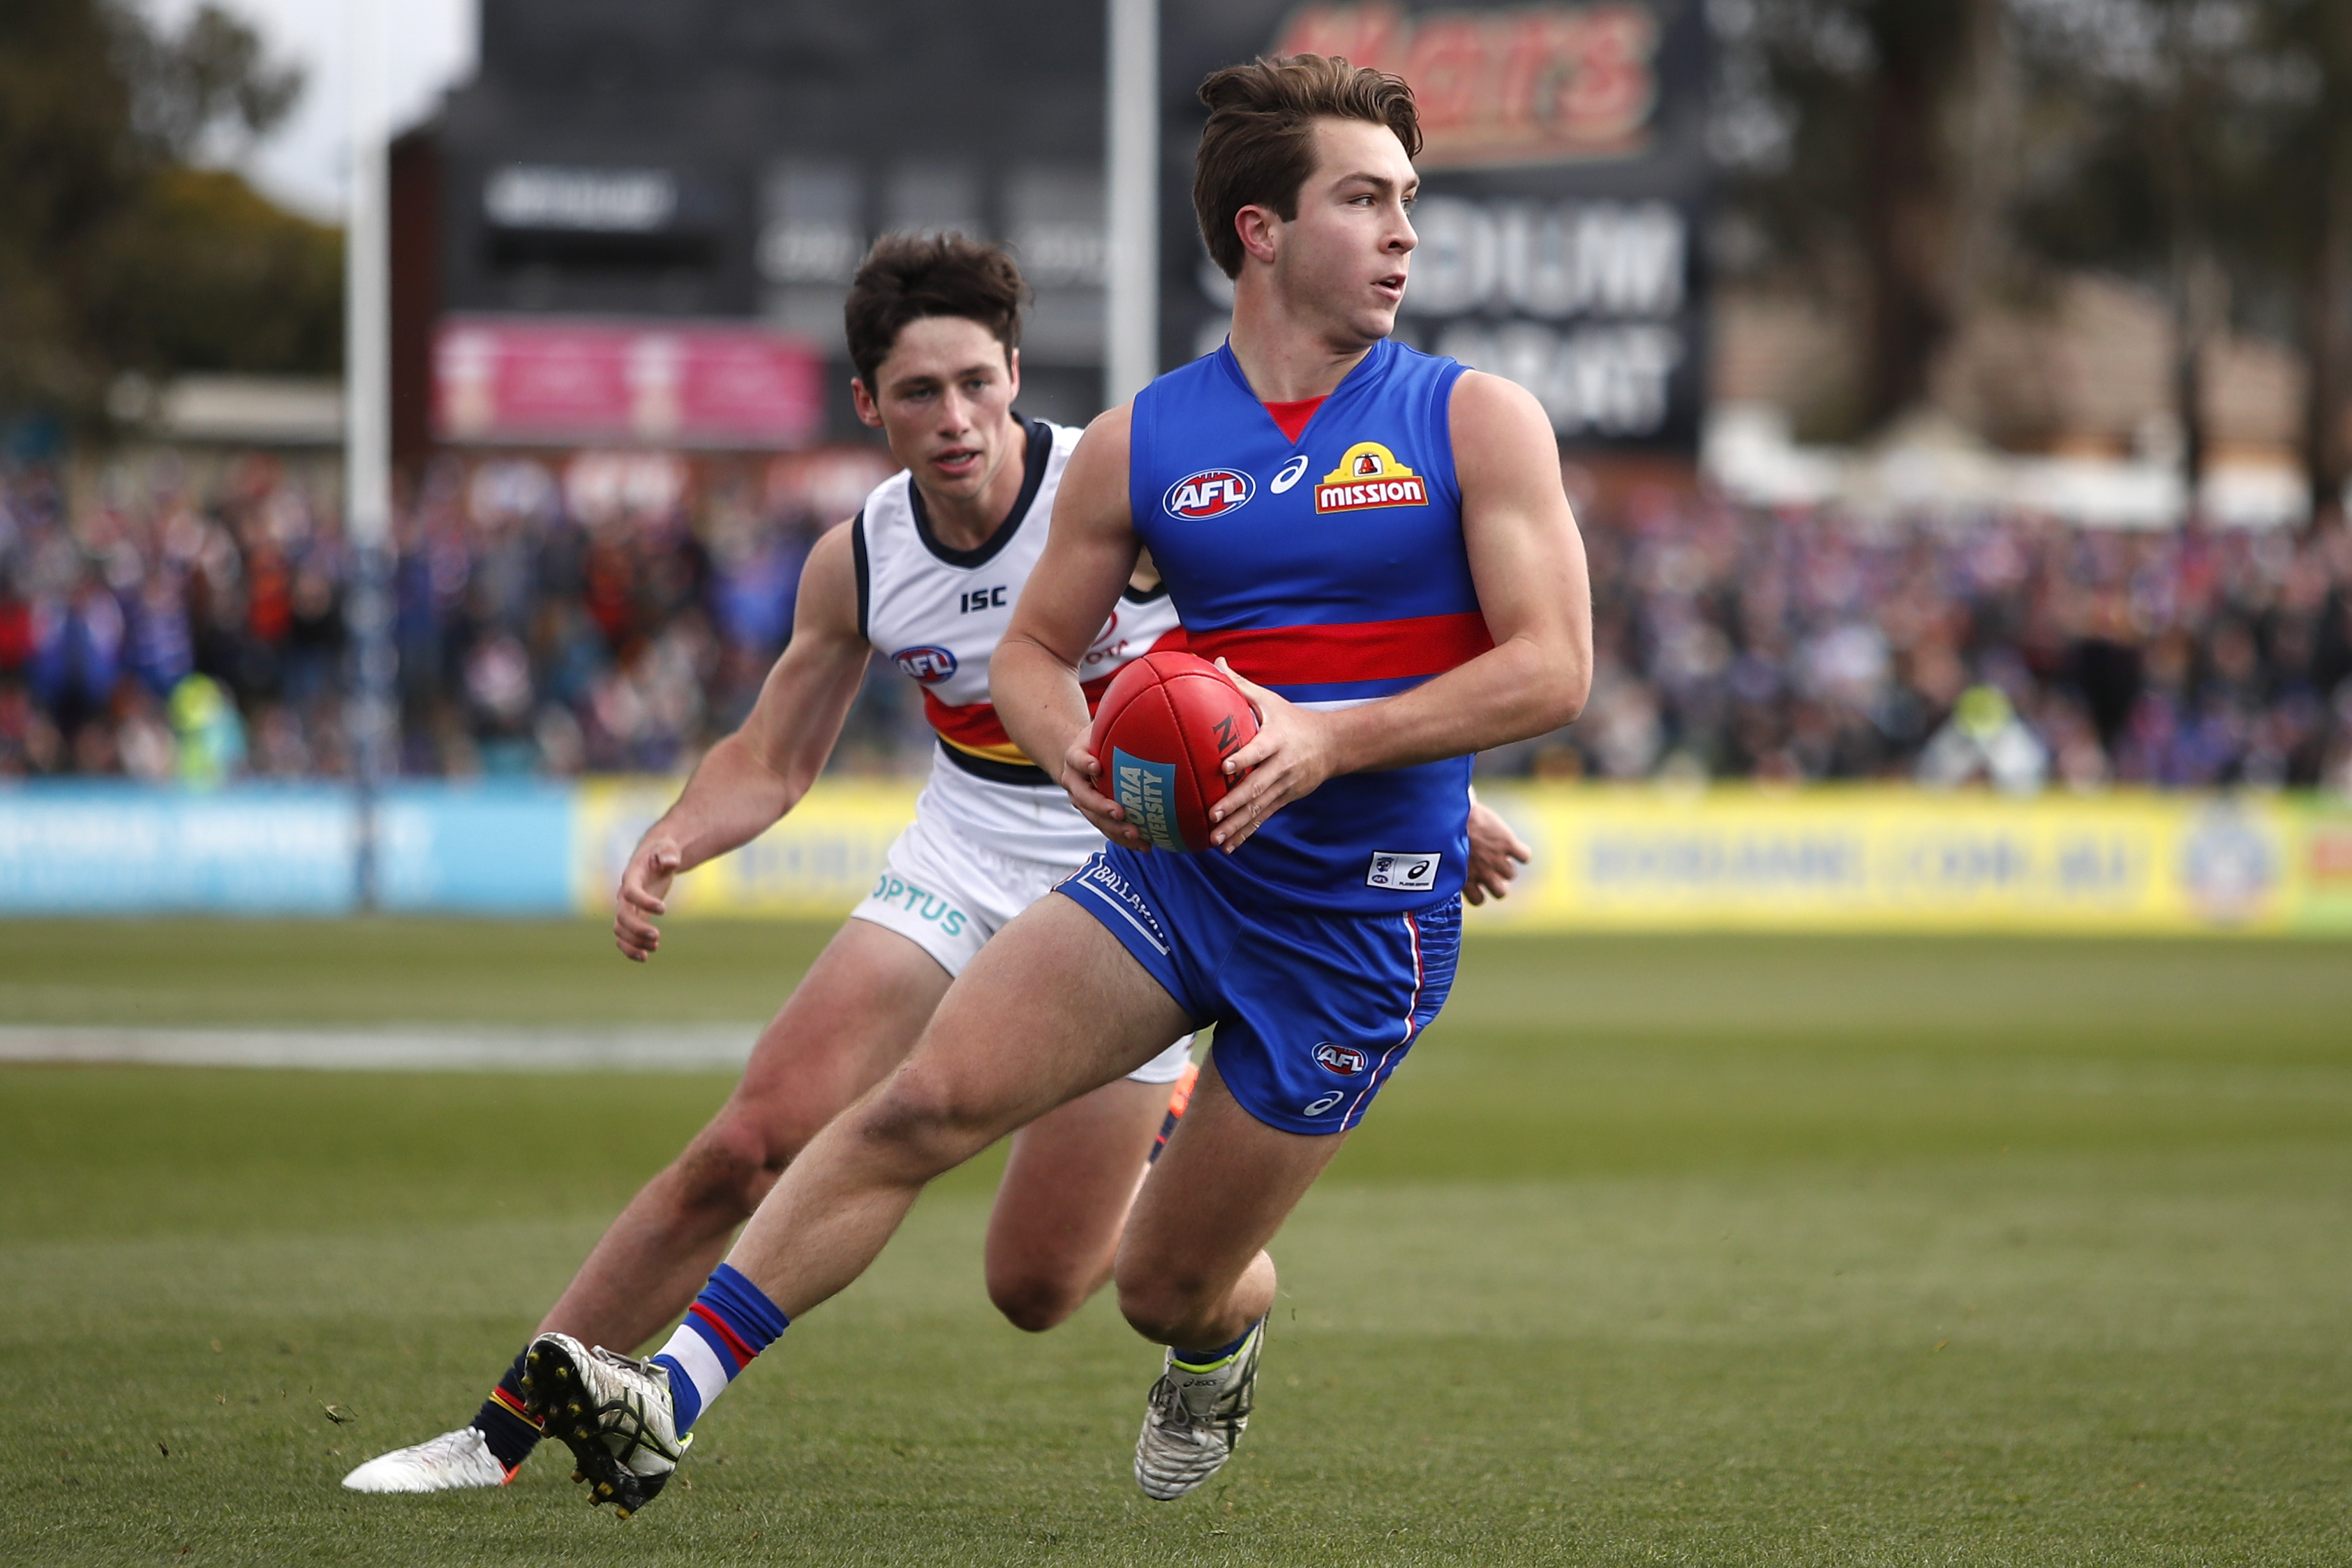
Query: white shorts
[948, 895]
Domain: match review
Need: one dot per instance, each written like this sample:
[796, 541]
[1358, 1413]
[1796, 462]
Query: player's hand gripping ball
[1162, 734]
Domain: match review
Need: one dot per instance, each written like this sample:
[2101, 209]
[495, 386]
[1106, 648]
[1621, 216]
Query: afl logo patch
[1210, 493]
[1370, 475]
[929, 665]
[1344, 1060]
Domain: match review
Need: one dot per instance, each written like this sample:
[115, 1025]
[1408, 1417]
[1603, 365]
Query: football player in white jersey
[927, 575]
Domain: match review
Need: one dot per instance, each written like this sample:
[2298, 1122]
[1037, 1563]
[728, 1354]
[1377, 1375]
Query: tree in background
[2164, 142]
[1917, 159]
[1841, 125]
[120, 251]
[2318, 163]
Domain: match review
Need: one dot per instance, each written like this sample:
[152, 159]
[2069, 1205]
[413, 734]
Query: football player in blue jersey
[1376, 543]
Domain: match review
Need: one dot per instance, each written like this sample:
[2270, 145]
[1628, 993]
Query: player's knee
[727, 1169]
[919, 1122]
[1034, 1301]
[1161, 1307]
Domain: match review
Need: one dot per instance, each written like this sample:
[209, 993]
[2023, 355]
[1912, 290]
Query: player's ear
[1257, 226]
[869, 412]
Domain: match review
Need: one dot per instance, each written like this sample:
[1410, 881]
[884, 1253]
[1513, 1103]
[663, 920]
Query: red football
[1162, 733]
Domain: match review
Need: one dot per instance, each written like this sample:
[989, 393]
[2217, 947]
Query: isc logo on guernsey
[1370, 475]
[1210, 493]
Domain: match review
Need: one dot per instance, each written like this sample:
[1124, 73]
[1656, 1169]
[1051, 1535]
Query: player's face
[944, 397]
[1346, 254]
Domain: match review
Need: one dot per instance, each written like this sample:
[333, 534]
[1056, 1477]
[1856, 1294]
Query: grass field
[1705, 1251]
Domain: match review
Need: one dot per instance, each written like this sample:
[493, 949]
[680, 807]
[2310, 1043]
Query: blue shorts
[1313, 1011]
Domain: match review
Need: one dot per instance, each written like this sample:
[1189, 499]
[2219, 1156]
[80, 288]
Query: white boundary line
[457, 1049]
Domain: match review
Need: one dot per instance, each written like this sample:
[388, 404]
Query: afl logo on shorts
[1210, 493]
[1370, 475]
[929, 665]
[1344, 1060]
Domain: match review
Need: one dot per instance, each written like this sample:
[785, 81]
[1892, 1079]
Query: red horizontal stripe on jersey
[976, 724]
[1364, 651]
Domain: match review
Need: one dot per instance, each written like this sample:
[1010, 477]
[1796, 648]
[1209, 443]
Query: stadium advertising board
[515, 381]
[1564, 189]
[821, 860]
[1891, 858]
[1608, 857]
[100, 848]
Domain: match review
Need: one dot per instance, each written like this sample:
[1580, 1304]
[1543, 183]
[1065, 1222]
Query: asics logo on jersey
[1210, 493]
[927, 665]
[1370, 475]
[1344, 1060]
[1288, 475]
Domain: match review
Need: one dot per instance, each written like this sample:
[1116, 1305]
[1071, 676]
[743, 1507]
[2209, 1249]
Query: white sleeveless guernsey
[939, 612]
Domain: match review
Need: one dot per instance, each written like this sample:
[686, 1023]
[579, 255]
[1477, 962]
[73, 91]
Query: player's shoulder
[1206, 376]
[1480, 395]
[1499, 433]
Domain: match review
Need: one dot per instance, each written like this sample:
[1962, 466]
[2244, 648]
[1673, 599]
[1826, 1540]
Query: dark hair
[1259, 144]
[906, 277]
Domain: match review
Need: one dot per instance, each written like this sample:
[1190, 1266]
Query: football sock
[1210, 1360]
[504, 1424]
[1179, 1099]
[731, 1322]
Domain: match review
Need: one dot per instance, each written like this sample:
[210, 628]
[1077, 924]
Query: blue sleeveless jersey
[1331, 569]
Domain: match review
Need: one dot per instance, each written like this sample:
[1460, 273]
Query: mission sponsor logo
[1370, 475]
[1347, 1061]
[1210, 493]
[928, 664]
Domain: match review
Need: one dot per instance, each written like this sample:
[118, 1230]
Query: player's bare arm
[1089, 557]
[749, 780]
[1527, 560]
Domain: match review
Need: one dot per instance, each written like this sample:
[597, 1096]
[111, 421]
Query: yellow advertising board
[821, 860]
[1642, 858]
[1895, 858]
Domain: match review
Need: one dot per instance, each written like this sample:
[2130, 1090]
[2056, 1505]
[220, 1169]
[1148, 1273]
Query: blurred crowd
[608, 614]
[1739, 643]
[617, 612]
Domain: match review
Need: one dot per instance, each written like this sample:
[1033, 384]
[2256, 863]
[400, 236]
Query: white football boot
[1195, 1418]
[450, 1462]
[615, 1413]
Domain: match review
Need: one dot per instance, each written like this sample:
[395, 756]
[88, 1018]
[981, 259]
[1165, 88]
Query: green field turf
[1698, 1250]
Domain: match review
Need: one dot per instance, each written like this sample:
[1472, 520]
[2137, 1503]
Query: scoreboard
[1564, 189]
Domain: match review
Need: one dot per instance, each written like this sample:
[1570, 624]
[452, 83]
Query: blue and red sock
[729, 1323]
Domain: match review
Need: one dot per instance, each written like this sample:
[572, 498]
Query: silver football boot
[615, 1413]
[450, 1462]
[1195, 1418]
